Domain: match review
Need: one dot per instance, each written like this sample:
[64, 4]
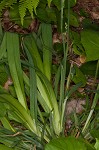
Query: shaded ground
[91, 7]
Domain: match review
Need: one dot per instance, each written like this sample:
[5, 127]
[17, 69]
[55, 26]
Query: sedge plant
[34, 114]
[48, 122]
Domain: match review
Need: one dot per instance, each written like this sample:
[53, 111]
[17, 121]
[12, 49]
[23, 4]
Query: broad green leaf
[95, 133]
[4, 147]
[88, 145]
[89, 68]
[77, 76]
[69, 143]
[51, 14]
[77, 45]
[47, 15]
[89, 40]
[97, 144]
[41, 14]
[73, 18]
[89, 24]
[42, 4]
[57, 3]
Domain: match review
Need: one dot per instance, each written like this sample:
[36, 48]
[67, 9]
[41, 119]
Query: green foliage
[89, 68]
[97, 144]
[23, 5]
[7, 3]
[3, 147]
[69, 143]
[89, 39]
[33, 101]
[27, 4]
[77, 76]
[3, 75]
[47, 15]
[73, 19]
[57, 3]
[2, 110]
[15, 66]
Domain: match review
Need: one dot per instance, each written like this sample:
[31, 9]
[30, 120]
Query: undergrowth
[34, 92]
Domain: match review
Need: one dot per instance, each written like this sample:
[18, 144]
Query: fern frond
[27, 4]
[24, 5]
[35, 4]
[6, 3]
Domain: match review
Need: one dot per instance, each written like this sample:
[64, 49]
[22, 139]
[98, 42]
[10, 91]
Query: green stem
[96, 97]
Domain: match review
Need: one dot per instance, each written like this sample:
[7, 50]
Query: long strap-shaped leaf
[29, 43]
[15, 66]
[33, 89]
[3, 46]
[47, 48]
[20, 111]
[51, 100]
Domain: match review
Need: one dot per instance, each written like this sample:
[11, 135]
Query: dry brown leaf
[82, 59]
[8, 82]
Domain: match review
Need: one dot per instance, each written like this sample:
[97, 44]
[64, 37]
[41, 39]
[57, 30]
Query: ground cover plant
[46, 64]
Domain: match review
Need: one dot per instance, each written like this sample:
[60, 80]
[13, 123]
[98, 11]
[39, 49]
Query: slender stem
[96, 74]
[65, 52]
[96, 97]
[62, 8]
[95, 100]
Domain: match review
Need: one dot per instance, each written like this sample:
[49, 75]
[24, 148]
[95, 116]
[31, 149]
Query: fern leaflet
[27, 4]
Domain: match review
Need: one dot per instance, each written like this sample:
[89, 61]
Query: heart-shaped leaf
[89, 39]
